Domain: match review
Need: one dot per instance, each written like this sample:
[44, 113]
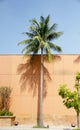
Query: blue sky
[15, 16]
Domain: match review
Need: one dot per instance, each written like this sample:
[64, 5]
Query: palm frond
[47, 19]
[47, 50]
[44, 24]
[35, 22]
[25, 42]
[48, 53]
[30, 50]
[42, 19]
[55, 47]
[29, 34]
[53, 35]
[33, 46]
[32, 28]
[53, 27]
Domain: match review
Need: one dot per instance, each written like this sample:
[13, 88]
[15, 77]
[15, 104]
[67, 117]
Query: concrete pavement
[24, 127]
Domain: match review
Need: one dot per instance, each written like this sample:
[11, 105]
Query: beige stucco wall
[23, 78]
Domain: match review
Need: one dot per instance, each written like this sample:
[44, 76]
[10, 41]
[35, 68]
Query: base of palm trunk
[38, 126]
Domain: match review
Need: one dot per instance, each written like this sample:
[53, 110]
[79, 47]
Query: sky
[15, 16]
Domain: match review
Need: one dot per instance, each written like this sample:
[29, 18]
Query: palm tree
[40, 38]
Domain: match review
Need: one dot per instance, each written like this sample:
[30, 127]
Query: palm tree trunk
[40, 123]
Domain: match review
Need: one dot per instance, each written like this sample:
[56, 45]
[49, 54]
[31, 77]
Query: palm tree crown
[40, 36]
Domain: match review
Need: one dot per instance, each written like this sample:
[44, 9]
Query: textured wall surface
[23, 77]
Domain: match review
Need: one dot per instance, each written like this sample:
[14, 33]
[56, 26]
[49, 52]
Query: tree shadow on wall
[77, 60]
[55, 58]
[30, 76]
